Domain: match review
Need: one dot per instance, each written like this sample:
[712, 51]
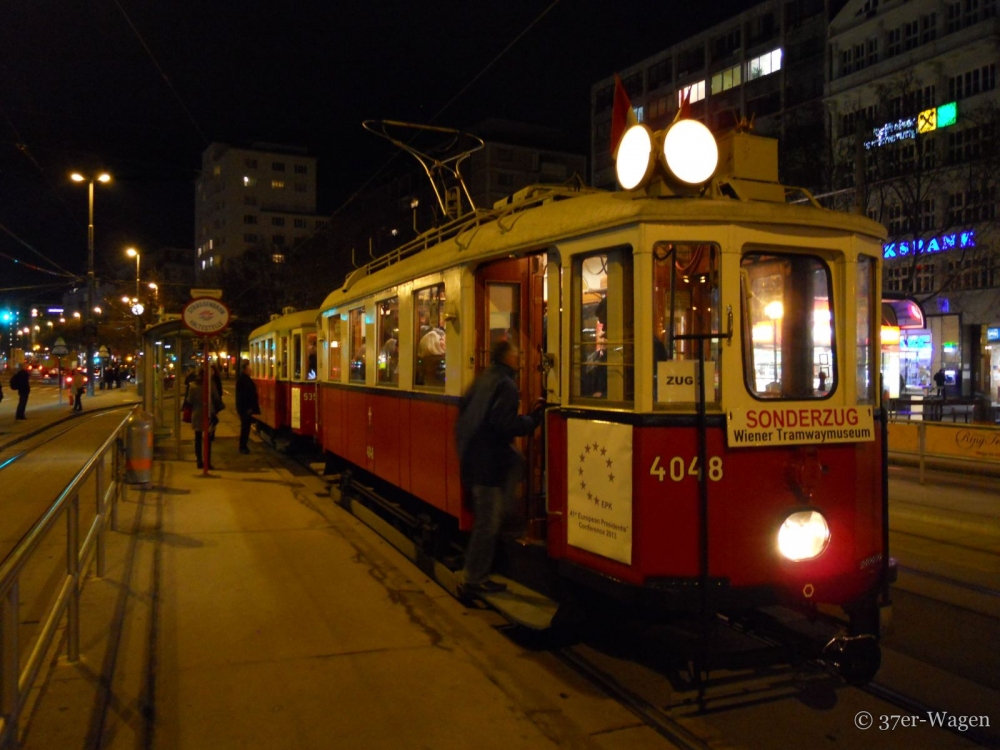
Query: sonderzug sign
[206, 316]
[794, 424]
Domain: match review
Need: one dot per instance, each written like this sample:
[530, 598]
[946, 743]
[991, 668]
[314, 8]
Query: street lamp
[91, 329]
[156, 299]
[133, 253]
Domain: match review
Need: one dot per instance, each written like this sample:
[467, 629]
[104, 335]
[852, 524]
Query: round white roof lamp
[691, 152]
[634, 162]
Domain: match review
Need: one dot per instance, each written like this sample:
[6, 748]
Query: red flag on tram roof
[622, 115]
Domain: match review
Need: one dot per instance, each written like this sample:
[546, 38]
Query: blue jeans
[488, 505]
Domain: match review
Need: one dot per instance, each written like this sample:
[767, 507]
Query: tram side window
[270, 359]
[865, 312]
[388, 341]
[297, 356]
[283, 357]
[311, 363]
[357, 350]
[788, 342]
[602, 352]
[685, 302]
[333, 336]
[429, 337]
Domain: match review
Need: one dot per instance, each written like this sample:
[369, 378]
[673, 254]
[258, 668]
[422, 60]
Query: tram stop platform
[247, 609]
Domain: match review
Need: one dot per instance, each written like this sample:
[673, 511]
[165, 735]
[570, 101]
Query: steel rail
[16, 682]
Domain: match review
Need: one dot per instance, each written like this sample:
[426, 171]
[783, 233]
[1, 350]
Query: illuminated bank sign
[993, 333]
[940, 244]
[903, 130]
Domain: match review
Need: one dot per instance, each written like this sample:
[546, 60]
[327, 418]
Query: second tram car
[709, 354]
[283, 367]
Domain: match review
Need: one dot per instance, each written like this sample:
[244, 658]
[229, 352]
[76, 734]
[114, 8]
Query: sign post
[205, 317]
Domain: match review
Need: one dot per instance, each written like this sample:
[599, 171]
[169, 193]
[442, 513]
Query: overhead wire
[163, 74]
[62, 271]
[448, 104]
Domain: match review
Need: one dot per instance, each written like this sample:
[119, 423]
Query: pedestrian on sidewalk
[21, 382]
[79, 386]
[490, 465]
[247, 404]
[194, 397]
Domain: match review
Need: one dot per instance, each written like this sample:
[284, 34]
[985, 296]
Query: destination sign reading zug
[795, 424]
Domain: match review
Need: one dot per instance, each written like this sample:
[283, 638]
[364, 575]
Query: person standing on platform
[195, 389]
[247, 404]
[21, 383]
[79, 386]
[487, 424]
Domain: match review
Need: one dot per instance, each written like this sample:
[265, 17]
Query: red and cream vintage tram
[708, 351]
[283, 367]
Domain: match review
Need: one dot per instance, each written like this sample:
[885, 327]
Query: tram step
[522, 605]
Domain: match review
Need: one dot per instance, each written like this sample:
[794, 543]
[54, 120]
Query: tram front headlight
[635, 157]
[690, 152]
[803, 536]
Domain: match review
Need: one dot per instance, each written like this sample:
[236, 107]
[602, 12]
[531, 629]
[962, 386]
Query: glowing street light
[91, 335]
[133, 253]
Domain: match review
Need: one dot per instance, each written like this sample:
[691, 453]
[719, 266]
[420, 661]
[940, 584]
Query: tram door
[510, 303]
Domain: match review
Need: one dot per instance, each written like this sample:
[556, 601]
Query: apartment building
[262, 196]
[913, 122]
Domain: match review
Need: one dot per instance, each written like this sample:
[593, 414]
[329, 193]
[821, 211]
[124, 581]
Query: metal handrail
[15, 682]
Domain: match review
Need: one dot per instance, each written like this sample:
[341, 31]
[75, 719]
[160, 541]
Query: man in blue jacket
[487, 424]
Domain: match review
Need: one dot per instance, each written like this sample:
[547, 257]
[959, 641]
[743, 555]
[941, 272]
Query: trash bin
[139, 448]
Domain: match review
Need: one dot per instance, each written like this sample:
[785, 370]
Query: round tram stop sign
[206, 316]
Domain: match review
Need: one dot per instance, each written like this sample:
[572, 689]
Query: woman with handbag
[194, 398]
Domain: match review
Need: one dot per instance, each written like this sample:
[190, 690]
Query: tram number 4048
[678, 468]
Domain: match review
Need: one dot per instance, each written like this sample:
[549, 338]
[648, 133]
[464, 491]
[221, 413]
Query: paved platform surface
[248, 610]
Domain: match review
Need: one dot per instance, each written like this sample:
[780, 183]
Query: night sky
[140, 88]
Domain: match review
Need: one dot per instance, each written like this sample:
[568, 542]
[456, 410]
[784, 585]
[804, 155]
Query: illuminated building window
[726, 79]
[249, 181]
[278, 258]
[216, 170]
[203, 265]
[278, 184]
[696, 91]
[764, 65]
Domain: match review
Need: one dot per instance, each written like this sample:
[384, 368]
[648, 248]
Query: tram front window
[602, 351]
[788, 342]
[685, 302]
